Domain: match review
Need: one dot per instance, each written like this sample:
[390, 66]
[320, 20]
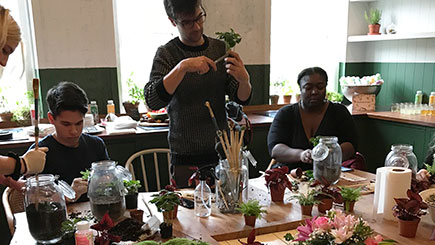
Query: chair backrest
[13, 202]
[130, 166]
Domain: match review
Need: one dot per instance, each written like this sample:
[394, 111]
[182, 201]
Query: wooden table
[280, 217]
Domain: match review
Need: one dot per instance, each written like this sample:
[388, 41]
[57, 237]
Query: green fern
[430, 169]
[373, 17]
[350, 194]
[251, 208]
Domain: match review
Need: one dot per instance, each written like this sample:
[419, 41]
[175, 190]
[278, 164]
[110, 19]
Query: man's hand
[80, 186]
[200, 65]
[306, 156]
[35, 160]
[236, 68]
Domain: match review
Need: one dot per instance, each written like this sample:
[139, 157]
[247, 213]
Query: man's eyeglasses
[189, 23]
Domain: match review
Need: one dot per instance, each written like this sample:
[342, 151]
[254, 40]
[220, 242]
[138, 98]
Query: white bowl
[425, 195]
[350, 90]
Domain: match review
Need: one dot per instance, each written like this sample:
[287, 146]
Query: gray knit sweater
[191, 131]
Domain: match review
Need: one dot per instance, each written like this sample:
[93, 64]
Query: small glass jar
[106, 189]
[327, 160]
[401, 155]
[45, 207]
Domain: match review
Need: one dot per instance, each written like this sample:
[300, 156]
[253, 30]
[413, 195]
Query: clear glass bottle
[401, 155]
[106, 189]
[110, 107]
[84, 235]
[432, 99]
[327, 159]
[419, 97]
[94, 111]
[45, 207]
[202, 198]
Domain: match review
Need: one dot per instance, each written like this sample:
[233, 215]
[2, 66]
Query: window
[141, 27]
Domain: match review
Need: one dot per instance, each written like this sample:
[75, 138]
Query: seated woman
[289, 135]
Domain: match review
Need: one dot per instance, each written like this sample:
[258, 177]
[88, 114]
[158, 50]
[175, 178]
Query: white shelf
[361, 1]
[385, 37]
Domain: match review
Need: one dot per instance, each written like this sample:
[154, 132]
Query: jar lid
[82, 225]
[93, 102]
[110, 102]
[320, 152]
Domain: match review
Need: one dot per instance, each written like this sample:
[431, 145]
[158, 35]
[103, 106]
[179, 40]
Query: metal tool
[221, 58]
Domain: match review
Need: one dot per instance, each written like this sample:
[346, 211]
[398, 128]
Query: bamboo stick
[36, 97]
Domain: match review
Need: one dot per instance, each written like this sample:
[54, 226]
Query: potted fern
[373, 19]
[350, 196]
[251, 211]
[167, 202]
[306, 198]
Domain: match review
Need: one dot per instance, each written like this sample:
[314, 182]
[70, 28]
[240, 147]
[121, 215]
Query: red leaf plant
[277, 177]
[409, 208]
[172, 186]
[251, 239]
[103, 237]
[326, 190]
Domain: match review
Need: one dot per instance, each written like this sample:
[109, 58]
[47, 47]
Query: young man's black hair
[184, 7]
[66, 96]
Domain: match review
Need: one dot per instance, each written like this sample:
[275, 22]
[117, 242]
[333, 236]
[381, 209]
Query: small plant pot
[165, 230]
[131, 201]
[348, 206]
[274, 99]
[306, 209]
[408, 228]
[137, 214]
[250, 220]
[325, 205]
[277, 193]
[132, 110]
[374, 29]
[171, 215]
[296, 173]
[6, 116]
[287, 99]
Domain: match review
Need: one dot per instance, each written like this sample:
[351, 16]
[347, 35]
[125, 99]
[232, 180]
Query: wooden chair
[130, 166]
[13, 202]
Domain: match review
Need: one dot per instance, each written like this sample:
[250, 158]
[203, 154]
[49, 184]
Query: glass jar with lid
[106, 189]
[327, 159]
[401, 155]
[45, 207]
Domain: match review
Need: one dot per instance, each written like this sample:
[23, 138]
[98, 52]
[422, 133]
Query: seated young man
[71, 151]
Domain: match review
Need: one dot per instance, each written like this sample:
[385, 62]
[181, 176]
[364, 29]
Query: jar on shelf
[327, 160]
[45, 207]
[106, 189]
[401, 155]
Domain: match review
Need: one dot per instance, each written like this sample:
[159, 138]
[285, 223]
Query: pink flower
[322, 223]
[342, 234]
[373, 240]
[305, 230]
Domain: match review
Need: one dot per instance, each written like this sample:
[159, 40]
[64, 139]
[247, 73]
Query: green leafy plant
[334, 96]
[230, 38]
[85, 174]
[287, 88]
[288, 237]
[165, 200]
[373, 17]
[251, 208]
[21, 115]
[350, 194]
[132, 186]
[306, 195]
[315, 140]
[135, 92]
[429, 168]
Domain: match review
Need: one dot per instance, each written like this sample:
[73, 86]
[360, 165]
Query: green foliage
[288, 237]
[315, 140]
[230, 38]
[430, 169]
[287, 88]
[373, 17]
[334, 96]
[308, 198]
[135, 92]
[85, 174]
[165, 200]
[21, 115]
[251, 208]
[68, 227]
[132, 186]
[350, 194]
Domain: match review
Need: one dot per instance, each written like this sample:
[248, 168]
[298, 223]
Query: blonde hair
[9, 29]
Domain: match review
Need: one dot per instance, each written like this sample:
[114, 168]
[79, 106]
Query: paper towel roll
[391, 182]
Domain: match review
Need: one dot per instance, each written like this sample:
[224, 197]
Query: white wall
[74, 33]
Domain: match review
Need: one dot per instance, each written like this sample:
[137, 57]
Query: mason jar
[106, 189]
[327, 160]
[401, 155]
[45, 207]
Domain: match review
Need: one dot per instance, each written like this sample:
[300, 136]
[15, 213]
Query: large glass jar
[232, 186]
[401, 155]
[106, 189]
[45, 207]
[327, 160]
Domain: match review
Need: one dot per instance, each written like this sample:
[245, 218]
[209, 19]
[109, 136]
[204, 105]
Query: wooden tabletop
[280, 217]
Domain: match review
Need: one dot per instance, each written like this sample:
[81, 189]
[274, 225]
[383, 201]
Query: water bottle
[419, 97]
[94, 111]
[202, 197]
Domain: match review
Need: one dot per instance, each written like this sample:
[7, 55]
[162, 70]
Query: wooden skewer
[36, 97]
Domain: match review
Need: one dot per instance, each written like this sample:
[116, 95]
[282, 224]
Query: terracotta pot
[165, 230]
[287, 99]
[132, 110]
[296, 173]
[277, 193]
[349, 205]
[274, 99]
[6, 116]
[408, 228]
[136, 214]
[306, 209]
[171, 215]
[131, 201]
[250, 220]
[325, 205]
[374, 29]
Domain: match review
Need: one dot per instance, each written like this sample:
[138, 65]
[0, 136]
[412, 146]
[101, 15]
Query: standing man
[183, 77]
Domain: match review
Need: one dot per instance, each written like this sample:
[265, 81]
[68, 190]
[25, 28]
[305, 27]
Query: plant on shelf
[251, 210]
[21, 115]
[287, 92]
[167, 202]
[132, 187]
[373, 19]
[408, 211]
[350, 196]
[306, 197]
[136, 95]
[275, 90]
[277, 181]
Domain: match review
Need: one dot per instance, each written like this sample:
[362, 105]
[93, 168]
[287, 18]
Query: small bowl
[425, 195]
[349, 90]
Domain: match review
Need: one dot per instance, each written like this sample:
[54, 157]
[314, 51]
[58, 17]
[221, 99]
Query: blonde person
[13, 166]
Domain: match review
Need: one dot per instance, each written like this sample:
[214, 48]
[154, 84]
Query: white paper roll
[391, 182]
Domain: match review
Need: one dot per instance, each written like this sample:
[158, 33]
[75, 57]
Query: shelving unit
[385, 37]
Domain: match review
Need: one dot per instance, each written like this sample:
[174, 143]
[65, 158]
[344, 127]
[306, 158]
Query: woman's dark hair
[66, 96]
[310, 71]
[184, 7]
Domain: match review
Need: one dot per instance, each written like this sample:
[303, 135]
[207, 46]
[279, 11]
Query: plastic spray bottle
[202, 193]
